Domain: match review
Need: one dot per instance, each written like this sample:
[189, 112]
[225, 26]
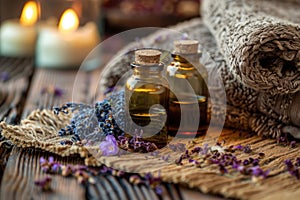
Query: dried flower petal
[109, 147]
[44, 184]
[4, 76]
[293, 144]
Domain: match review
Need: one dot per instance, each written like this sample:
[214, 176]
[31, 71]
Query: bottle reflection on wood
[146, 95]
[187, 79]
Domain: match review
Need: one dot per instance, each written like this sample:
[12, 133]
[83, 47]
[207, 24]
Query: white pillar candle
[67, 46]
[18, 37]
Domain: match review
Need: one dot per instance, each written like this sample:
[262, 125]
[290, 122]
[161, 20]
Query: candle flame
[29, 13]
[69, 21]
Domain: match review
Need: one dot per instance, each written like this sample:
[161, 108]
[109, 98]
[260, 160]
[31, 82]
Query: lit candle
[68, 45]
[18, 37]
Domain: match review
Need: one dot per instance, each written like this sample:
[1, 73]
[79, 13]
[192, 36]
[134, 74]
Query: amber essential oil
[183, 72]
[146, 96]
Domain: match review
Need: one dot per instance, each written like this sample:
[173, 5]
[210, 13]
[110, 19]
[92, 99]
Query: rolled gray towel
[260, 41]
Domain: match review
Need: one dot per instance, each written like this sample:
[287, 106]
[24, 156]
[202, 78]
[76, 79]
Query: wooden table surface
[20, 92]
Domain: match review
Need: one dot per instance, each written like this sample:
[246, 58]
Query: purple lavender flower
[195, 162]
[58, 92]
[55, 167]
[159, 39]
[196, 150]
[238, 147]
[297, 161]
[178, 161]
[108, 90]
[240, 168]
[53, 90]
[205, 149]
[51, 159]
[105, 169]
[246, 162]
[184, 36]
[255, 162]
[177, 147]
[166, 157]
[42, 160]
[288, 163]
[235, 165]
[293, 144]
[44, 184]
[4, 76]
[158, 190]
[222, 169]
[257, 171]
[109, 146]
[247, 149]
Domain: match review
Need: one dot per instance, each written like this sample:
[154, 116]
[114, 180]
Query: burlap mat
[40, 129]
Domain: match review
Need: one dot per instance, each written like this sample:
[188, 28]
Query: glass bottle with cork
[188, 90]
[146, 98]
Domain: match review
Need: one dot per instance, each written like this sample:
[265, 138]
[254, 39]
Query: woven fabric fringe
[40, 130]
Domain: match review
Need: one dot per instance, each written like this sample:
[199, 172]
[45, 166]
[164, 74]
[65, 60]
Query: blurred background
[119, 15]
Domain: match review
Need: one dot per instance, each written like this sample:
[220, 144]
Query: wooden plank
[191, 194]
[15, 75]
[23, 168]
[110, 187]
[45, 80]
[5, 150]
[23, 164]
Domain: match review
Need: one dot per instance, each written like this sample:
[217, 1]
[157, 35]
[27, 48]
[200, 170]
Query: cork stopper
[147, 56]
[186, 46]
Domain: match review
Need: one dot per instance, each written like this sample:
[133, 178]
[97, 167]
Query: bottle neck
[147, 71]
[187, 60]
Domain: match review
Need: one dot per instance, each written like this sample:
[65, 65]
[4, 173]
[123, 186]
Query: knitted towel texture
[260, 42]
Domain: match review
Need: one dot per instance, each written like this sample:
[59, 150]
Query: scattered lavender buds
[245, 149]
[87, 175]
[52, 90]
[293, 168]
[136, 143]
[287, 141]
[49, 166]
[224, 158]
